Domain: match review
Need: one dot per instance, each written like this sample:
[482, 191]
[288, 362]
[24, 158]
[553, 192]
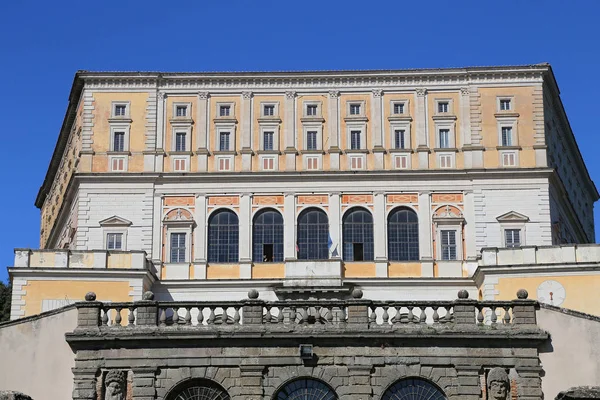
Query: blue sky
[43, 43]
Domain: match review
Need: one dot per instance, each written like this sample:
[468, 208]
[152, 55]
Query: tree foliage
[5, 295]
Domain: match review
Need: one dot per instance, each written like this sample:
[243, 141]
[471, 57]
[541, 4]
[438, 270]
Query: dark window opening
[357, 250]
[267, 253]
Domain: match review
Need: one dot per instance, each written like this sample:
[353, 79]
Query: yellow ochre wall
[582, 292]
[37, 291]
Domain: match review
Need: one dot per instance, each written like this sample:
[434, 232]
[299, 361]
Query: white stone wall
[100, 201]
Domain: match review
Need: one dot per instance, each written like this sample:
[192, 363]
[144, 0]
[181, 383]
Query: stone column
[161, 99]
[469, 384]
[245, 236]
[379, 235]
[250, 382]
[333, 115]
[200, 237]
[143, 384]
[421, 128]
[84, 383]
[246, 131]
[377, 128]
[156, 255]
[289, 227]
[289, 126]
[201, 131]
[335, 224]
[425, 234]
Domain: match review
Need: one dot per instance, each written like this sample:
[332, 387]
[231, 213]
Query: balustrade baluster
[105, 317]
[188, 316]
[506, 315]
[280, 315]
[436, 316]
[175, 315]
[200, 316]
[396, 318]
[373, 316]
[494, 315]
[329, 315]
[162, 319]
[480, 315]
[410, 314]
[236, 315]
[131, 317]
[385, 316]
[211, 317]
[268, 315]
[292, 315]
[118, 317]
[423, 317]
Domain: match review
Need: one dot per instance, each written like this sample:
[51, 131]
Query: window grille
[357, 234]
[177, 247]
[267, 237]
[403, 235]
[306, 389]
[313, 235]
[413, 388]
[223, 237]
[448, 244]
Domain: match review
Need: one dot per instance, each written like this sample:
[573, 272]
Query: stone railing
[92, 259]
[539, 255]
[290, 314]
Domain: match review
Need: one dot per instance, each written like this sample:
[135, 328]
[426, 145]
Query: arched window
[413, 389]
[198, 389]
[403, 235]
[306, 389]
[223, 237]
[357, 234]
[267, 236]
[313, 235]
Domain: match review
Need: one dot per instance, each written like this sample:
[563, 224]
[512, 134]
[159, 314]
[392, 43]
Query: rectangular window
[179, 164]
[224, 111]
[399, 139]
[443, 107]
[181, 111]
[512, 237]
[311, 110]
[445, 161]
[400, 162]
[268, 164]
[180, 141]
[177, 247]
[354, 140]
[268, 141]
[448, 245]
[398, 108]
[354, 109]
[224, 141]
[509, 160]
[311, 140]
[269, 111]
[444, 136]
[357, 252]
[504, 105]
[118, 164]
[506, 136]
[119, 141]
[224, 164]
[114, 241]
[120, 110]
[312, 163]
[356, 163]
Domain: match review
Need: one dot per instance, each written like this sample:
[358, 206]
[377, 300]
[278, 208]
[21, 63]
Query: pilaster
[246, 118]
[161, 98]
[465, 124]
[84, 384]
[245, 233]
[421, 127]
[289, 226]
[425, 234]
[377, 127]
[379, 233]
[250, 384]
[150, 140]
[290, 130]
[202, 131]
[469, 384]
[144, 384]
[470, 243]
[335, 211]
[200, 237]
[156, 227]
[333, 118]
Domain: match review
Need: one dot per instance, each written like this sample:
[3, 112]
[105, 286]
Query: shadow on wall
[4, 395]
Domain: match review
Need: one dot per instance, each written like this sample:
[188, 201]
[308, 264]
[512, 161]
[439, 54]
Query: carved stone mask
[115, 385]
[497, 384]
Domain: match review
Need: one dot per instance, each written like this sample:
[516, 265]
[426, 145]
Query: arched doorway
[305, 389]
[413, 389]
[198, 389]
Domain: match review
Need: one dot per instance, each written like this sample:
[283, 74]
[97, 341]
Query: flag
[297, 249]
[329, 242]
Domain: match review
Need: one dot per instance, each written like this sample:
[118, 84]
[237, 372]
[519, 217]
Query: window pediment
[115, 221]
[512, 216]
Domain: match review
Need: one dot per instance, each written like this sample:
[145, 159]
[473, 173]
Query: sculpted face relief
[497, 384]
[115, 385]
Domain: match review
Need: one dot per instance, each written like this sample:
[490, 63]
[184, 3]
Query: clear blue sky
[43, 43]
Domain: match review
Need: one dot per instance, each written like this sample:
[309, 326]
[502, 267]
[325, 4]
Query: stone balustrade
[87, 259]
[540, 255]
[291, 314]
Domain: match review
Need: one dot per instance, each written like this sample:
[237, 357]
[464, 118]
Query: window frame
[309, 127]
[126, 104]
[500, 99]
[220, 104]
[185, 248]
[116, 127]
[399, 242]
[360, 104]
[233, 260]
[269, 127]
[188, 107]
[368, 255]
[307, 104]
[227, 127]
[275, 244]
[317, 243]
[456, 244]
[115, 225]
[508, 122]
[274, 104]
[439, 101]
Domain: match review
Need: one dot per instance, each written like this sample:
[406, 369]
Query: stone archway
[198, 389]
[413, 389]
[305, 389]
